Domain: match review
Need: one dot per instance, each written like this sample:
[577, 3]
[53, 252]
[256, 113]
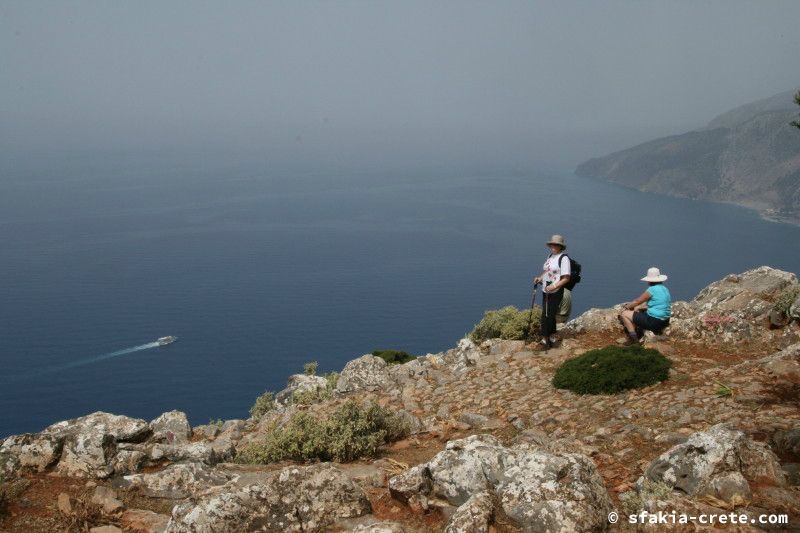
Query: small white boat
[163, 341]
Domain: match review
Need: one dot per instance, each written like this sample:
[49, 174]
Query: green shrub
[350, 432]
[264, 404]
[394, 357]
[506, 323]
[633, 501]
[310, 369]
[786, 299]
[218, 422]
[612, 369]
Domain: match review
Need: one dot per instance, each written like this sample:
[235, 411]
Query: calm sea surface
[258, 271]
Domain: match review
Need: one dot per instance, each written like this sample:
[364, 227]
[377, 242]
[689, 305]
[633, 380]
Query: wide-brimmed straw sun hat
[559, 240]
[654, 275]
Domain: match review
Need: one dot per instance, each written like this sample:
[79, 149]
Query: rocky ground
[494, 446]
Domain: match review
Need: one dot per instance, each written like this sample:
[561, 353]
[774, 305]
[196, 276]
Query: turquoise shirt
[658, 306]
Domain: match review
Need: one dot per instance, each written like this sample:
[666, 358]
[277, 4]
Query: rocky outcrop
[367, 373]
[731, 310]
[171, 427]
[473, 516]
[720, 462]
[540, 490]
[177, 481]
[296, 498]
[300, 383]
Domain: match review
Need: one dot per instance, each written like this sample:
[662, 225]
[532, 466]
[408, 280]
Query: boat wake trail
[87, 361]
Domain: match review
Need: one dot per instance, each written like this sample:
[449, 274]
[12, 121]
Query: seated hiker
[650, 311]
[555, 276]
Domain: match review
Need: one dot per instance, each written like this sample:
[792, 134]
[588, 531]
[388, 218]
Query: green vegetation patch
[394, 357]
[350, 432]
[612, 369]
[787, 298]
[506, 323]
[264, 404]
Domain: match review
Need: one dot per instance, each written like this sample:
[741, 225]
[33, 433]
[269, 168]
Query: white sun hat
[654, 275]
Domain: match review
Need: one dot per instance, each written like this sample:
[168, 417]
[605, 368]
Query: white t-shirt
[553, 270]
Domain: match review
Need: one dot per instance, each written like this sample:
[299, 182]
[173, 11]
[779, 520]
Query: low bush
[506, 323]
[264, 404]
[394, 357]
[786, 299]
[310, 369]
[612, 369]
[350, 432]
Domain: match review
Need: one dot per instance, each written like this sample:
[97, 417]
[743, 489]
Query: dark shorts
[645, 321]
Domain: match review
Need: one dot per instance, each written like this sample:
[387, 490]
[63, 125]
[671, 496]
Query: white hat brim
[657, 279]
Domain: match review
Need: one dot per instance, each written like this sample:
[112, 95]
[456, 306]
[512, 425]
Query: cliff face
[492, 441]
[749, 156]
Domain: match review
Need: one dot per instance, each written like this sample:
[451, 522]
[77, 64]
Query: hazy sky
[492, 84]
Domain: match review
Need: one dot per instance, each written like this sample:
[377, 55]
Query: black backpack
[575, 271]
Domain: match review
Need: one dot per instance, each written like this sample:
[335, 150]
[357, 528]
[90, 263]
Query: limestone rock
[718, 462]
[105, 529]
[142, 521]
[210, 453]
[540, 490]
[300, 383]
[379, 527]
[367, 373]
[296, 498]
[177, 481]
[30, 452]
[106, 498]
[64, 504]
[171, 427]
[90, 442]
[473, 516]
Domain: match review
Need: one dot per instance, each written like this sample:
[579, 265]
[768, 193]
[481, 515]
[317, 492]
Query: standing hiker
[555, 276]
[650, 311]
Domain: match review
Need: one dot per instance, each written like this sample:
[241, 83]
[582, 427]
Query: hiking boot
[541, 346]
[631, 340]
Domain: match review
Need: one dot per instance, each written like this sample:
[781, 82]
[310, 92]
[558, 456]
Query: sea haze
[259, 270]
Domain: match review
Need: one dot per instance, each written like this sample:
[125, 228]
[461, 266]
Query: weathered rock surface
[541, 491]
[296, 498]
[29, 451]
[143, 521]
[473, 516]
[719, 462]
[300, 383]
[177, 481]
[367, 373]
[171, 427]
[90, 442]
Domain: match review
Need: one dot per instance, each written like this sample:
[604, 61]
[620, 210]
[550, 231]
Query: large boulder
[540, 490]
[367, 373]
[171, 427]
[90, 442]
[473, 516]
[300, 383]
[35, 452]
[720, 462]
[177, 481]
[733, 309]
[296, 498]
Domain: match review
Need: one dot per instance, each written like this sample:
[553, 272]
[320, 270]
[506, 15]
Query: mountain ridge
[748, 156]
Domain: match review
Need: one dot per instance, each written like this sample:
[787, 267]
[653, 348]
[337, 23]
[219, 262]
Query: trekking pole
[530, 315]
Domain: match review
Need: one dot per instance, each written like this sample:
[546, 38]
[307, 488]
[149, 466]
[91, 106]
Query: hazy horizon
[514, 85]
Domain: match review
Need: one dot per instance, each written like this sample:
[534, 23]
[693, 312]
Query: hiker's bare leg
[627, 320]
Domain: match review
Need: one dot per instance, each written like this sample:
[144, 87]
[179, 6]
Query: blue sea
[258, 270]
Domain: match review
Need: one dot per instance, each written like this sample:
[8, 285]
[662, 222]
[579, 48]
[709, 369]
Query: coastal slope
[749, 156]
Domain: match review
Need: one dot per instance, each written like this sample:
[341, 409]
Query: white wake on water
[90, 360]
